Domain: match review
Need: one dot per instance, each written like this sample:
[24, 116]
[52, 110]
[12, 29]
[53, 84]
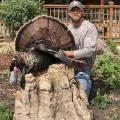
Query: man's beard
[76, 19]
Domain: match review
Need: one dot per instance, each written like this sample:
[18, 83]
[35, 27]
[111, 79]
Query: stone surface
[118, 49]
[6, 54]
[6, 47]
[52, 95]
[102, 47]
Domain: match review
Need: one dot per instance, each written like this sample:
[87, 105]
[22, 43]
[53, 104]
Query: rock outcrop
[6, 47]
[102, 47]
[6, 53]
[118, 49]
[52, 95]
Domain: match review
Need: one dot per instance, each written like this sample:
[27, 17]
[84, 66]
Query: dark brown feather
[55, 34]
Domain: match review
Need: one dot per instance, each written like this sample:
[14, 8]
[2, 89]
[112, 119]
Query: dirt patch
[5, 60]
[6, 53]
[7, 92]
[111, 111]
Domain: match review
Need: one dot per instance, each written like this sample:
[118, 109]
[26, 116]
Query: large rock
[118, 49]
[6, 47]
[52, 95]
[102, 47]
[6, 54]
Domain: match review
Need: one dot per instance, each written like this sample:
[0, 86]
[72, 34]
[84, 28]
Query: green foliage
[100, 102]
[16, 12]
[5, 114]
[7, 73]
[41, 1]
[107, 68]
[118, 117]
[112, 46]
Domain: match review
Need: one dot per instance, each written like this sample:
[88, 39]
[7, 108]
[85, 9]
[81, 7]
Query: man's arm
[89, 47]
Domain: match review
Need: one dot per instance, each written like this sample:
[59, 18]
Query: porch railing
[105, 17]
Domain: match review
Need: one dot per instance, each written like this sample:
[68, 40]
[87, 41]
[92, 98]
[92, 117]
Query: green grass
[5, 114]
[118, 117]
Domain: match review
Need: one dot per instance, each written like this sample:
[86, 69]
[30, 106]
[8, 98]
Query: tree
[15, 13]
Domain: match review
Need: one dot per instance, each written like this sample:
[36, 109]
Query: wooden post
[102, 2]
[101, 10]
[111, 19]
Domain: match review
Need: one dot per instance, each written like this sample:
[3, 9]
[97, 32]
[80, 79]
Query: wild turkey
[37, 42]
[32, 62]
[40, 34]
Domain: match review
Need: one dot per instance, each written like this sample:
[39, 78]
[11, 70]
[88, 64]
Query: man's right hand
[69, 54]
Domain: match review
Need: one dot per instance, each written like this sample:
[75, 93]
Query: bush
[16, 12]
[5, 114]
[100, 102]
[107, 68]
[118, 117]
[112, 46]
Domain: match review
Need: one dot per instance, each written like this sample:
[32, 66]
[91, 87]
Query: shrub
[16, 12]
[112, 46]
[118, 117]
[100, 102]
[5, 114]
[107, 68]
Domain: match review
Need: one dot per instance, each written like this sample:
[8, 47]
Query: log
[52, 95]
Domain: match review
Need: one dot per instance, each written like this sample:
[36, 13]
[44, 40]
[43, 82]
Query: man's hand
[61, 55]
[68, 61]
[69, 54]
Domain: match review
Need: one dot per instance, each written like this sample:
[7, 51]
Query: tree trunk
[52, 95]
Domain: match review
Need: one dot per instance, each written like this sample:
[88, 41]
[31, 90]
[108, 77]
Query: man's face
[75, 14]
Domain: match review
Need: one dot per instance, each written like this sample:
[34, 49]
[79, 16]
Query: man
[85, 35]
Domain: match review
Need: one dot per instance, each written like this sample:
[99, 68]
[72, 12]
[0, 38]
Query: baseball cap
[75, 4]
